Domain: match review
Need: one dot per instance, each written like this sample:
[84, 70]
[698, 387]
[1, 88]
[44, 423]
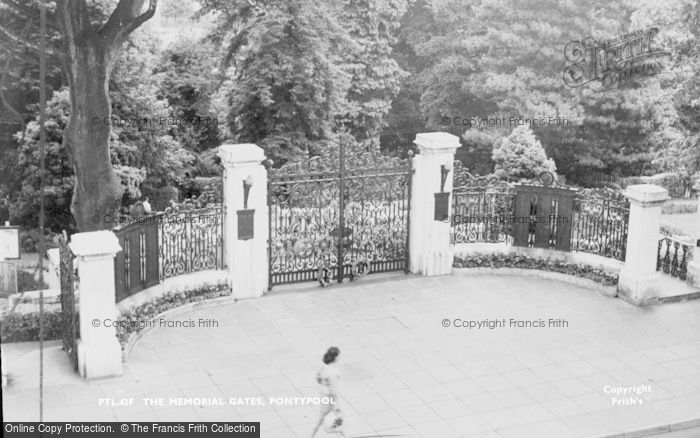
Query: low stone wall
[568, 267]
[180, 283]
[612, 266]
[171, 297]
[129, 340]
[608, 291]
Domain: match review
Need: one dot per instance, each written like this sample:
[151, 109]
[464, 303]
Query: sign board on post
[9, 242]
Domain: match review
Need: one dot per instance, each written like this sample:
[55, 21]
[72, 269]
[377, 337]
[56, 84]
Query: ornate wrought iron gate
[68, 312]
[334, 213]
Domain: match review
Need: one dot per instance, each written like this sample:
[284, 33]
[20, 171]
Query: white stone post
[430, 248]
[246, 260]
[99, 351]
[694, 265]
[638, 278]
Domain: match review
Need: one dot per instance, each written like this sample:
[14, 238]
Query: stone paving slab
[403, 372]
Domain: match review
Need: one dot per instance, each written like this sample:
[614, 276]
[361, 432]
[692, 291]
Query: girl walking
[329, 377]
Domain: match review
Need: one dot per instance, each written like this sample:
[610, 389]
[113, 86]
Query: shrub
[160, 198]
[24, 327]
[525, 262]
[194, 187]
[477, 151]
[27, 282]
[521, 156]
[680, 206]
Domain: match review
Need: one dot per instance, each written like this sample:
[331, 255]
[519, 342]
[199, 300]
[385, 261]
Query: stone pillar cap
[241, 153]
[646, 193]
[94, 243]
[436, 142]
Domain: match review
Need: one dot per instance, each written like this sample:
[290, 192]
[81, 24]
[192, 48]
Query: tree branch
[17, 39]
[234, 45]
[125, 18]
[25, 11]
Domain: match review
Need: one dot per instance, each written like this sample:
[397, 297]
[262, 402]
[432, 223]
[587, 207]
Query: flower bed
[525, 262]
[129, 323]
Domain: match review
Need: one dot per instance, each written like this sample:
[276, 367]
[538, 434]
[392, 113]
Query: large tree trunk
[88, 54]
[98, 190]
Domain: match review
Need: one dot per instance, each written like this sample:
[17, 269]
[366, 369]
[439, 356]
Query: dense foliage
[295, 76]
[290, 86]
[494, 59]
[375, 76]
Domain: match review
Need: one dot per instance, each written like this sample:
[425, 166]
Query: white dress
[328, 377]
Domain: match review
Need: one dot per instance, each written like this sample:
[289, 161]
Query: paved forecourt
[599, 366]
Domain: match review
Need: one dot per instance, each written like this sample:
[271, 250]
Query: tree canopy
[296, 76]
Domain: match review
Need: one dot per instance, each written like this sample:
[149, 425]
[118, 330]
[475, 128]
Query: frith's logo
[615, 61]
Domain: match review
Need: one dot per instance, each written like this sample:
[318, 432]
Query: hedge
[526, 262]
[24, 327]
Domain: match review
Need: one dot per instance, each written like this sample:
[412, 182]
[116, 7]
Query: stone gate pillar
[430, 248]
[638, 280]
[246, 218]
[99, 351]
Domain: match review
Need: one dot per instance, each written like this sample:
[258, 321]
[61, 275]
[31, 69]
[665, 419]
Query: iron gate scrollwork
[335, 212]
[68, 311]
[601, 218]
[186, 237]
[190, 240]
[482, 207]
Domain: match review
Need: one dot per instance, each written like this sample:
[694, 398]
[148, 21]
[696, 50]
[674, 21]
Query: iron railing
[190, 241]
[482, 208]
[600, 221]
[185, 238]
[673, 256]
[71, 323]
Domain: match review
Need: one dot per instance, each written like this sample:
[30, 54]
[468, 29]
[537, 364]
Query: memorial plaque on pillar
[245, 224]
[442, 202]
